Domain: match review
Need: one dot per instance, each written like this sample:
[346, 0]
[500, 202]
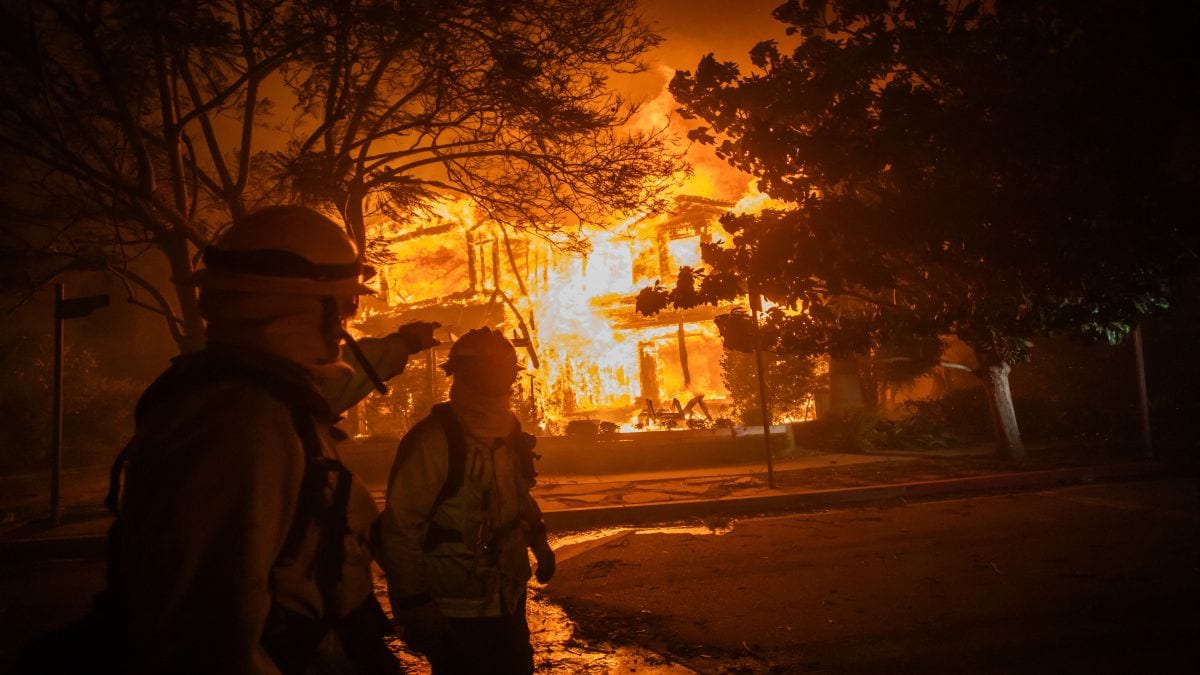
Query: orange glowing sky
[690, 30]
[693, 28]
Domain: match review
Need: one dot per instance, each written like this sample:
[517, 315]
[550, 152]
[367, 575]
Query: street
[1100, 578]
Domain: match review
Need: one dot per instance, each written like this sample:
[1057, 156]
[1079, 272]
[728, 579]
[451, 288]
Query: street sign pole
[755, 306]
[64, 308]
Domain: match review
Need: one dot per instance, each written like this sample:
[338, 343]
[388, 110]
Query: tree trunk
[869, 382]
[683, 360]
[845, 388]
[1004, 416]
[179, 258]
[355, 219]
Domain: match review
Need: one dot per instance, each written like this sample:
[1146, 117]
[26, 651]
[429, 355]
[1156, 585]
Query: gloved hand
[424, 629]
[418, 335]
[545, 562]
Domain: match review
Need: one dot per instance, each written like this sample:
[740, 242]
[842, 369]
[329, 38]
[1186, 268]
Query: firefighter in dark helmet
[241, 541]
[459, 520]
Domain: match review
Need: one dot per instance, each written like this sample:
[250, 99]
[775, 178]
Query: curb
[591, 517]
[54, 548]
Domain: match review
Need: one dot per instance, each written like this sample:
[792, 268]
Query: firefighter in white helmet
[240, 543]
[460, 519]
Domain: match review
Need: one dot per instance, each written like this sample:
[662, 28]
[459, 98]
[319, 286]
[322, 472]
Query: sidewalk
[718, 499]
[806, 482]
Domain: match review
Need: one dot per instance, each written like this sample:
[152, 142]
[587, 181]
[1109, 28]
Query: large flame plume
[588, 354]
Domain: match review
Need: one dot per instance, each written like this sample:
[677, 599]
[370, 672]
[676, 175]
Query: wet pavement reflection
[557, 647]
[558, 650]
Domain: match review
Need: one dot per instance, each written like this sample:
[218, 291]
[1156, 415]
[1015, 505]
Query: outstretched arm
[387, 355]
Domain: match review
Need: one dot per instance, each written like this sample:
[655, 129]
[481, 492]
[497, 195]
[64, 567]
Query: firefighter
[241, 541]
[459, 520]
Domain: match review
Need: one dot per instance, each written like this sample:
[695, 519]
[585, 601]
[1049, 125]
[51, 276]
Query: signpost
[64, 308]
[755, 308]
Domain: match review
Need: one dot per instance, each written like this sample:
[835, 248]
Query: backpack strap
[522, 444]
[312, 507]
[456, 445]
[519, 442]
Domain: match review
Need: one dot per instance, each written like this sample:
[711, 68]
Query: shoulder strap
[522, 444]
[456, 444]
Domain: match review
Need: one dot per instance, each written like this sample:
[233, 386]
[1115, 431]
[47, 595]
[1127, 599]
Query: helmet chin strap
[332, 326]
[368, 369]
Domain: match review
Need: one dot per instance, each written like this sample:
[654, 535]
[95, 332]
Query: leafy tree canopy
[129, 128]
[995, 170]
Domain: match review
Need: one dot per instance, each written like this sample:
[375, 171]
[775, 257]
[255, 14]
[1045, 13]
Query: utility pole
[64, 308]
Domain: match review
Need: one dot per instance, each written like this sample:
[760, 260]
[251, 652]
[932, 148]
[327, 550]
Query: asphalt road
[1094, 579]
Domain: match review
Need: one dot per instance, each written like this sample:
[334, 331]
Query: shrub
[97, 406]
[791, 383]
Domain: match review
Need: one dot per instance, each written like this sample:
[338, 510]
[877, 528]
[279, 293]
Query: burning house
[588, 355]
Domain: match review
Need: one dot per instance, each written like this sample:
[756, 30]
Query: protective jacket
[459, 540]
[223, 559]
[387, 355]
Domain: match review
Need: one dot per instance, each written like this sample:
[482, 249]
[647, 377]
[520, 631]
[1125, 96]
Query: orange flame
[595, 357]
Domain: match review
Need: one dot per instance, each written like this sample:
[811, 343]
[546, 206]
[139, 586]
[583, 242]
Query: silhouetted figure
[241, 541]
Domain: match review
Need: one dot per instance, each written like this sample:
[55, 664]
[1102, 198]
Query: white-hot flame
[597, 358]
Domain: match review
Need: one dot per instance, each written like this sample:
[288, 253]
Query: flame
[587, 364]
[710, 176]
[451, 210]
[756, 202]
[592, 356]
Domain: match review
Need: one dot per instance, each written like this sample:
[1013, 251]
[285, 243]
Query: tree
[133, 127]
[990, 170]
[793, 379]
[502, 102]
[135, 130]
